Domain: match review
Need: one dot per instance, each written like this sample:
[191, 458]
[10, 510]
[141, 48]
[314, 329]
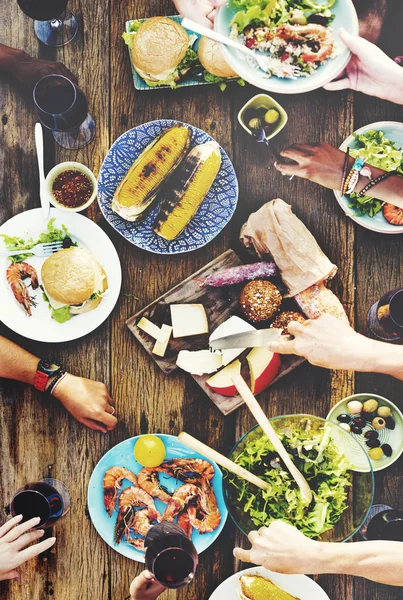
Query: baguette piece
[318, 300]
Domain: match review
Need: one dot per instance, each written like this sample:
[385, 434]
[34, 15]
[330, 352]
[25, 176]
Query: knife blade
[248, 339]
[42, 187]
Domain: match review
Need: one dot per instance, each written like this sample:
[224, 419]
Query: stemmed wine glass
[385, 317]
[62, 107]
[54, 25]
[383, 523]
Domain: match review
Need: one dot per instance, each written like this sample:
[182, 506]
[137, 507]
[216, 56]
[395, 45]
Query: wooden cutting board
[219, 304]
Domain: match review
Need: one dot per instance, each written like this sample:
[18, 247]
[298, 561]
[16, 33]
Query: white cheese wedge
[161, 347]
[152, 329]
[199, 362]
[231, 326]
[188, 319]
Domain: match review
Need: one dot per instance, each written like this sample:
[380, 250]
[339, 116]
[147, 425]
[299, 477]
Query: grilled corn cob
[138, 189]
[186, 189]
[256, 587]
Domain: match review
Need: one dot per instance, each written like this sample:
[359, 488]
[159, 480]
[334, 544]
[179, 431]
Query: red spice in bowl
[72, 188]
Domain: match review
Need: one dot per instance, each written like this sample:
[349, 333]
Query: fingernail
[37, 519]
[52, 539]
[41, 531]
[398, 60]
[148, 575]
[18, 517]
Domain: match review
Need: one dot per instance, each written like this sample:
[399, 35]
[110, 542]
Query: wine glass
[62, 107]
[53, 25]
[48, 499]
[383, 523]
[170, 555]
[385, 317]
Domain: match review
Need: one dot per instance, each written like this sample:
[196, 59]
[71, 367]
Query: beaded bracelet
[345, 167]
[354, 175]
[373, 182]
[62, 373]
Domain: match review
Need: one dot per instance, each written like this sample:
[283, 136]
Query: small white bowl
[67, 166]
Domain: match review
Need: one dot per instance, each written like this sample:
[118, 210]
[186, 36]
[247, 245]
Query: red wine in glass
[54, 25]
[385, 317]
[170, 556]
[41, 499]
[62, 107]
[387, 526]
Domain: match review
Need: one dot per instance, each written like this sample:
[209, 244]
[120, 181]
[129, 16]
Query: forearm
[390, 190]
[17, 363]
[378, 561]
[388, 359]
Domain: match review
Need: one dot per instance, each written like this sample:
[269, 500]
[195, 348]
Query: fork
[39, 250]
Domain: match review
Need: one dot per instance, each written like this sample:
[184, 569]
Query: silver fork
[38, 250]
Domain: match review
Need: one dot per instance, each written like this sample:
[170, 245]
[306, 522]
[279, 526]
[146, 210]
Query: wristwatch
[46, 370]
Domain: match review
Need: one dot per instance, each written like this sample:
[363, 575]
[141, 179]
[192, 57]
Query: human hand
[27, 70]
[370, 71]
[144, 587]
[201, 11]
[281, 548]
[328, 342]
[14, 539]
[88, 401]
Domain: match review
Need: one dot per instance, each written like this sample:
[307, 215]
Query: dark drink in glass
[48, 499]
[385, 317]
[170, 555]
[54, 25]
[62, 107]
[387, 526]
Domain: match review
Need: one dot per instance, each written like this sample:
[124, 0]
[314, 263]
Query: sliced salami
[242, 273]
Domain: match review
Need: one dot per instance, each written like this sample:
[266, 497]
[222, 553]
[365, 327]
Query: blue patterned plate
[212, 216]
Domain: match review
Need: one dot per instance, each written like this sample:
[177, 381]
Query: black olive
[373, 443]
[371, 435]
[359, 421]
[369, 416]
[356, 429]
[67, 242]
[319, 19]
[344, 418]
[390, 424]
[387, 450]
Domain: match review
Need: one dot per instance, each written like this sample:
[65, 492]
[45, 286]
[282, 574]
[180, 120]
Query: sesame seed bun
[158, 46]
[212, 59]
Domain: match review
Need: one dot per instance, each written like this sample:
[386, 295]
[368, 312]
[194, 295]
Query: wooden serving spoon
[265, 424]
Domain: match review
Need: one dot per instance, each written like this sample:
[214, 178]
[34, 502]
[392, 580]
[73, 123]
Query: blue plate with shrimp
[122, 456]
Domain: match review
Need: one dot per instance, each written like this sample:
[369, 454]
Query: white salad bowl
[345, 16]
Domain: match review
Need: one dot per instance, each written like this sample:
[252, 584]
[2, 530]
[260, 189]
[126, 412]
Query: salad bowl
[338, 471]
[344, 16]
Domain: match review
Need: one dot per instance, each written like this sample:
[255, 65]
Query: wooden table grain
[37, 437]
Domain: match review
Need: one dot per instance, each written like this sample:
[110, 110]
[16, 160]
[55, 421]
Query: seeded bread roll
[260, 300]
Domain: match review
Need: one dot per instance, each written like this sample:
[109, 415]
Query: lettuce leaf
[61, 315]
[53, 234]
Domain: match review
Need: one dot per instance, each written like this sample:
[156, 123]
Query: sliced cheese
[188, 319]
[231, 326]
[53, 303]
[199, 362]
[152, 329]
[161, 347]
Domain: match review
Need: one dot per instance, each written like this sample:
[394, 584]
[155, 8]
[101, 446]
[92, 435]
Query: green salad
[378, 151]
[53, 234]
[318, 458]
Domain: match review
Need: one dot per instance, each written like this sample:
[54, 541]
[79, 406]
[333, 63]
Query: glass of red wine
[62, 107]
[170, 555]
[48, 499]
[384, 523]
[53, 25]
[385, 317]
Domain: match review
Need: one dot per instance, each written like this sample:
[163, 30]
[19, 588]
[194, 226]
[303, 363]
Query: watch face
[48, 367]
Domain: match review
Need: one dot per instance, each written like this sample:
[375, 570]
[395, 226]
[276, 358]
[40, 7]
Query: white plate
[300, 586]
[40, 326]
[393, 130]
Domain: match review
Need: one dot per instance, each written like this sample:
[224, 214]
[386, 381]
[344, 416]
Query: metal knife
[248, 339]
[42, 187]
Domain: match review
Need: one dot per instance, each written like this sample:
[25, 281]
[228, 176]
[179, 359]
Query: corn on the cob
[186, 189]
[138, 189]
[256, 587]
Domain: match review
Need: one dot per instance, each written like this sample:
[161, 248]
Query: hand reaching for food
[144, 587]
[15, 548]
[201, 11]
[88, 401]
[370, 71]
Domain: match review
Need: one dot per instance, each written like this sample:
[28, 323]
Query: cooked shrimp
[184, 522]
[309, 33]
[188, 469]
[140, 526]
[208, 510]
[129, 499]
[148, 481]
[15, 274]
[180, 500]
[112, 482]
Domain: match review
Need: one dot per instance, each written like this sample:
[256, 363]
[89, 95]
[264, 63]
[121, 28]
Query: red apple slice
[221, 382]
[263, 367]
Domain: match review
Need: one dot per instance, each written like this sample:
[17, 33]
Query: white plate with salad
[381, 145]
[25, 230]
[300, 586]
[298, 39]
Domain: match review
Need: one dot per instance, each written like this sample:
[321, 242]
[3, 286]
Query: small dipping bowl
[70, 166]
[259, 103]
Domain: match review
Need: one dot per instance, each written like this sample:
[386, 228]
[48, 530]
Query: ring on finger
[113, 410]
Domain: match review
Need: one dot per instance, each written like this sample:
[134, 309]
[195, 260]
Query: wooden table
[37, 436]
